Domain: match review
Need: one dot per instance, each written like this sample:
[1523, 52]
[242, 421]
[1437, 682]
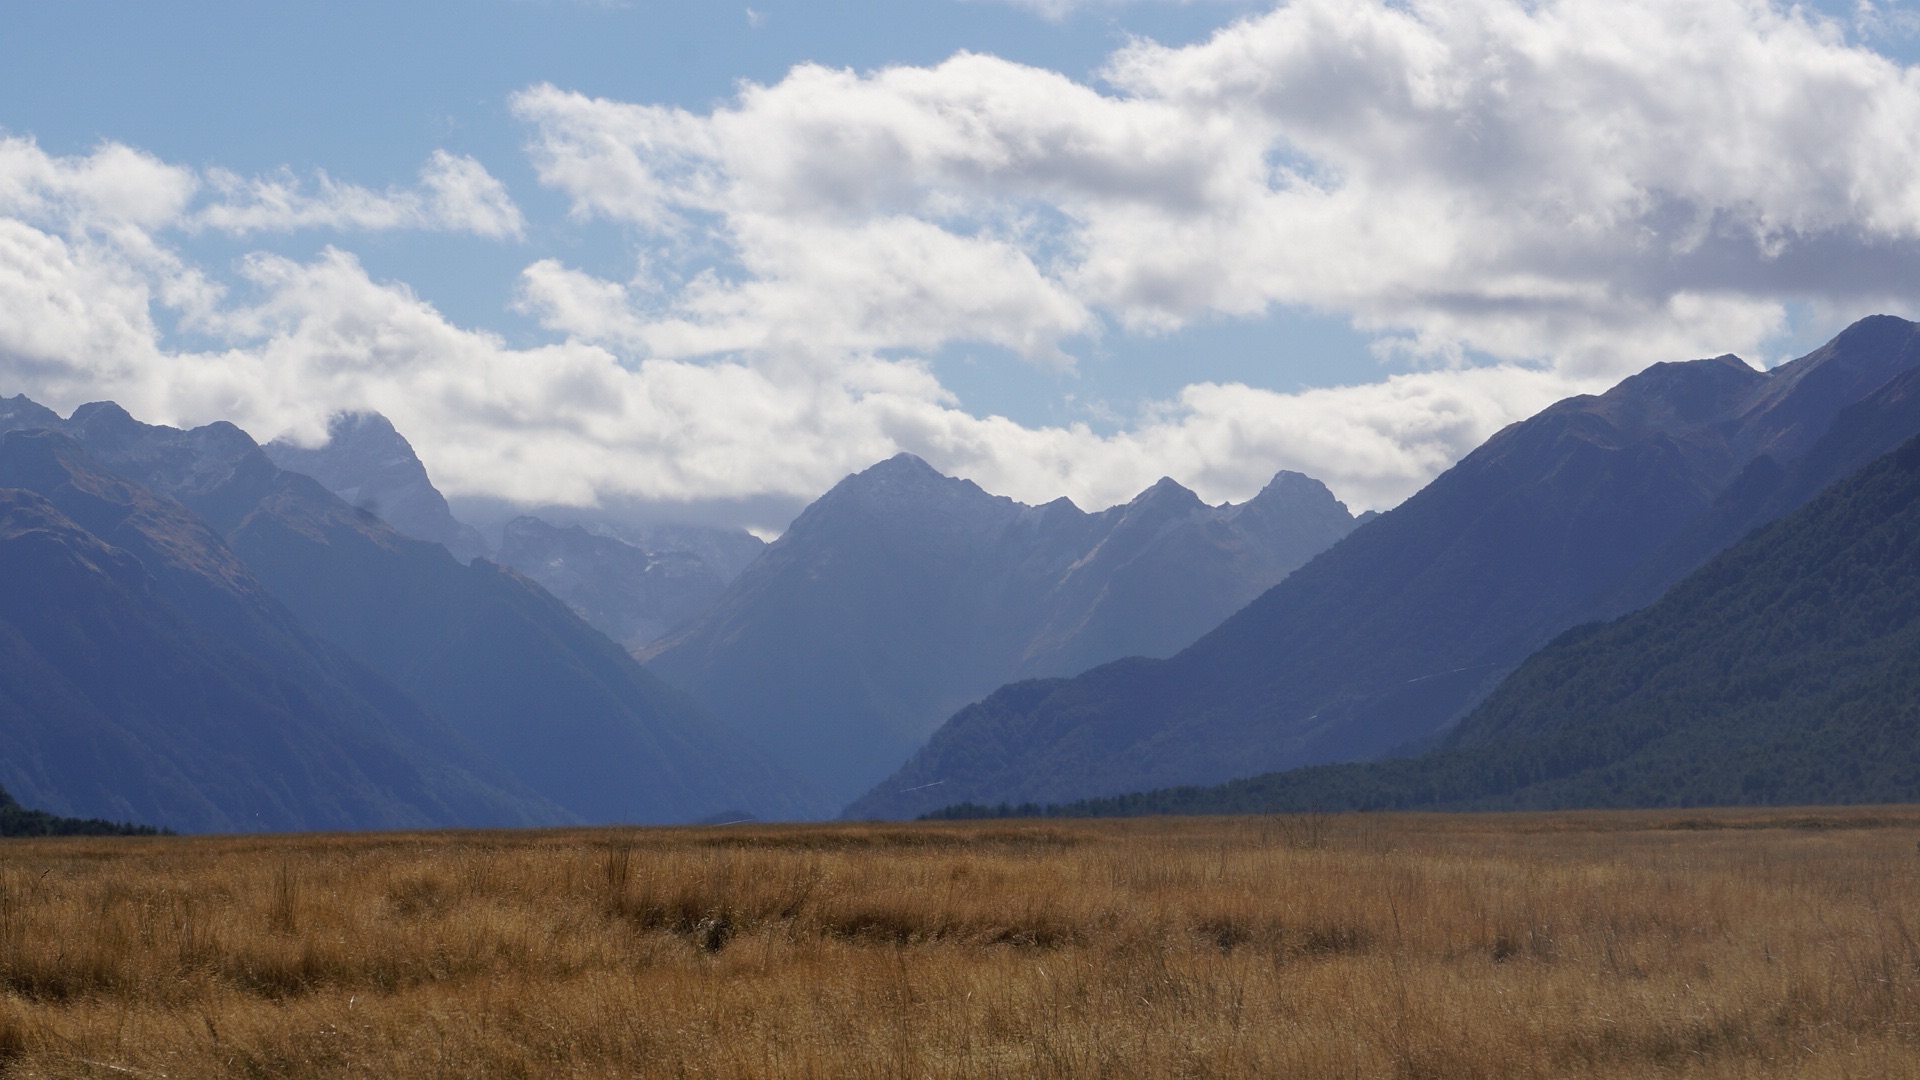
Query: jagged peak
[1166, 491]
[1289, 484]
[906, 473]
[20, 407]
[103, 416]
[901, 464]
[1290, 492]
[227, 435]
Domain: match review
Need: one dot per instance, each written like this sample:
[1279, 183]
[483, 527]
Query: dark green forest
[17, 820]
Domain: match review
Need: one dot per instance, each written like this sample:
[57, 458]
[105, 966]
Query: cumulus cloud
[1521, 200]
[82, 277]
[571, 423]
[455, 194]
[1587, 183]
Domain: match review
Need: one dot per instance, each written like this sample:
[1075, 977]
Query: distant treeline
[17, 820]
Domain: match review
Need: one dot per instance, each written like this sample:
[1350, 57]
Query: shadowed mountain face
[1784, 671]
[632, 596]
[537, 692]
[902, 594]
[1402, 627]
[373, 467]
[145, 674]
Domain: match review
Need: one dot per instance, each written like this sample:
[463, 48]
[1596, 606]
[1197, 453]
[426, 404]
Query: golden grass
[1713, 944]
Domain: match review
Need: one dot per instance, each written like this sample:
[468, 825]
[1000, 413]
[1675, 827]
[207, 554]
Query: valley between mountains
[1697, 588]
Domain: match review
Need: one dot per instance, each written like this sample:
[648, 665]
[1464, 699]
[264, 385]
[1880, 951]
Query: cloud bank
[1522, 200]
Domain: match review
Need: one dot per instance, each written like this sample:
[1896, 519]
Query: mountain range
[1697, 587]
[1785, 671]
[1590, 508]
[149, 676]
[569, 725]
[902, 593]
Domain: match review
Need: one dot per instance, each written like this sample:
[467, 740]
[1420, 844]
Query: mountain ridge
[535, 691]
[121, 706]
[1397, 630]
[901, 593]
[1785, 670]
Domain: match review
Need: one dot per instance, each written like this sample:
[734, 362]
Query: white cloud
[1527, 199]
[456, 194]
[1580, 182]
[571, 423]
[574, 421]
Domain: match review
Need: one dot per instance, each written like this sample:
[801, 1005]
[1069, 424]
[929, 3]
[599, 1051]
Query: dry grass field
[1721, 944]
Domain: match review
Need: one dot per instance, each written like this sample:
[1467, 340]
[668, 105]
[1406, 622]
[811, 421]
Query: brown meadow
[1729, 943]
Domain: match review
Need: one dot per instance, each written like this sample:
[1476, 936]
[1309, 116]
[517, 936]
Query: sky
[706, 259]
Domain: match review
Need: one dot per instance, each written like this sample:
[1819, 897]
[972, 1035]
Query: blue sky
[565, 246]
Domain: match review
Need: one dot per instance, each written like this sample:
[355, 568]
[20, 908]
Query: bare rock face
[373, 467]
[902, 594]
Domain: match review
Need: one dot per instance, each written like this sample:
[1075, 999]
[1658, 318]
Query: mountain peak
[1167, 494]
[22, 411]
[1289, 486]
[105, 419]
[907, 478]
[371, 465]
[1875, 328]
[1683, 391]
[902, 465]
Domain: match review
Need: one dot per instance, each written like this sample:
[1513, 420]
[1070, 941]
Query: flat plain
[1684, 943]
